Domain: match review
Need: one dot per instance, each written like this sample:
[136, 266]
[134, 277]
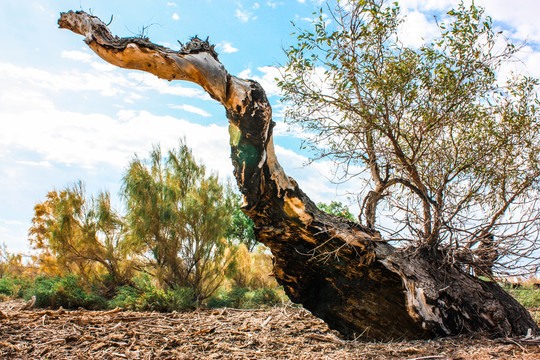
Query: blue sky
[66, 115]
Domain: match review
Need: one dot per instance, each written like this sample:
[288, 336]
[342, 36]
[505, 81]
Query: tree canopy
[178, 215]
[181, 226]
[445, 137]
[74, 234]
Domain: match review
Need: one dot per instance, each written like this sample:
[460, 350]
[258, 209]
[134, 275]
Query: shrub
[267, 297]
[233, 298]
[63, 291]
[11, 286]
[149, 298]
[243, 298]
[126, 298]
[528, 296]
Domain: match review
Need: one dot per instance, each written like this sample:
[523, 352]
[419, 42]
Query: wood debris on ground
[277, 333]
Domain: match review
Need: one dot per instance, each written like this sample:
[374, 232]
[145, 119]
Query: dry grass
[279, 333]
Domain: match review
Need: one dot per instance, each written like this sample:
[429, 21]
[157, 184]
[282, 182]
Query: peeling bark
[341, 271]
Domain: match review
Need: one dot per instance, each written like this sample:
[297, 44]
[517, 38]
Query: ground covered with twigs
[277, 333]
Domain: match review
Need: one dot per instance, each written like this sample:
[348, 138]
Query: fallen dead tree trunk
[341, 271]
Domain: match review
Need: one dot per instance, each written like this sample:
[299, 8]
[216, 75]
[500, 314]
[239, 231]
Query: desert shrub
[528, 296]
[11, 286]
[150, 298]
[244, 298]
[126, 298]
[67, 292]
[267, 297]
[250, 269]
[233, 298]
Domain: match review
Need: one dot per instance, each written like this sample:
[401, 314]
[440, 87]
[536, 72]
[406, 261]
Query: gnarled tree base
[362, 286]
[340, 271]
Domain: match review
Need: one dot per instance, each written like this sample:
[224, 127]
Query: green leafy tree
[76, 235]
[180, 216]
[241, 227]
[441, 137]
[338, 209]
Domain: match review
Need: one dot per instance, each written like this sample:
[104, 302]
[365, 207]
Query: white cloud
[226, 47]
[44, 164]
[175, 16]
[171, 4]
[34, 124]
[267, 80]
[273, 4]
[244, 74]
[428, 4]
[133, 97]
[522, 16]
[191, 109]
[11, 222]
[244, 15]
[417, 30]
[316, 178]
[106, 84]
[146, 81]
[87, 140]
[13, 236]
[103, 66]
[77, 56]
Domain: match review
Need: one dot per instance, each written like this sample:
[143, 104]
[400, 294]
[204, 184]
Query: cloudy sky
[65, 115]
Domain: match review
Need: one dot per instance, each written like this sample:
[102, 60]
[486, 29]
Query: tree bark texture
[342, 272]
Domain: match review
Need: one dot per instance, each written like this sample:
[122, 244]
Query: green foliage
[13, 286]
[144, 296]
[244, 298]
[179, 215]
[338, 209]
[528, 295]
[267, 297]
[67, 292]
[153, 299]
[77, 235]
[444, 141]
[234, 298]
[241, 227]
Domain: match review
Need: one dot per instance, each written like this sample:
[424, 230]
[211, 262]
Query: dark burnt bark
[341, 271]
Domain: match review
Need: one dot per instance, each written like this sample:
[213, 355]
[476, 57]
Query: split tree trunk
[342, 272]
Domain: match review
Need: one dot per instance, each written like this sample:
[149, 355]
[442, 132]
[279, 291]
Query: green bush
[13, 286]
[267, 297]
[63, 291]
[71, 293]
[244, 298]
[182, 298]
[234, 298]
[527, 296]
[126, 298]
[151, 299]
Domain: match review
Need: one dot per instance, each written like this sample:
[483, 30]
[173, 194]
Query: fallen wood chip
[30, 303]
[11, 346]
[288, 333]
[119, 355]
[54, 342]
[266, 321]
[204, 331]
[114, 311]
[325, 338]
